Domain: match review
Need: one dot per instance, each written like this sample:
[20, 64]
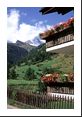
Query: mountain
[24, 45]
[15, 53]
[19, 50]
[19, 43]
[35, 42]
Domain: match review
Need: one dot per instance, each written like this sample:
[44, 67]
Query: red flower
[57, 27]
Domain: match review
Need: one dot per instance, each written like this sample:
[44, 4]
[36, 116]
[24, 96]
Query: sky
[26, 23]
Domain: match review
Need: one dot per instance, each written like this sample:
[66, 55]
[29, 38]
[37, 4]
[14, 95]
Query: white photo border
[3, 58]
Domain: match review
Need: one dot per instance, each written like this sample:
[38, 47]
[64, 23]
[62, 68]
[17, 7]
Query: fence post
[53, 102]
[41, 101]
[55, 99]
[68, 102]
[60, 102]
[71, 103]
[34, 100]
[65, 102]
[38, 100]
[57, 102]
[46, 100]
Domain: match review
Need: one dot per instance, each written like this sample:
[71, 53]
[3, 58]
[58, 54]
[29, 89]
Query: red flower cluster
[50, 77]
[58, 27]
[55, 76]
[64, 24]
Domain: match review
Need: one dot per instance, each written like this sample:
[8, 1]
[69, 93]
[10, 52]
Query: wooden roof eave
[62, 10]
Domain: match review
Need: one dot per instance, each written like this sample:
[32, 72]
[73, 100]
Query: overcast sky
[25, 23]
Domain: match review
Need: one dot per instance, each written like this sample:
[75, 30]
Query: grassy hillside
[62, 62]
[40, 63]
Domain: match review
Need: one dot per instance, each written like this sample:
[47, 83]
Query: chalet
[56, 84]
[59, 39]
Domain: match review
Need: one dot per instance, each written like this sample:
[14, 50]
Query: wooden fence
[41, 101]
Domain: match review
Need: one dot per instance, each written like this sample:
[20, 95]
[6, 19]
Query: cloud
[23, 31]
[34, 20]
[24, 14]
[12, 25]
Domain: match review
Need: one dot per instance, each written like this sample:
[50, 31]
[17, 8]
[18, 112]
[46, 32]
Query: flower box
[57, 28]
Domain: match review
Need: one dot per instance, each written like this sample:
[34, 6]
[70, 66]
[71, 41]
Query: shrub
[42, 87]
[13, 74]
[30, 74]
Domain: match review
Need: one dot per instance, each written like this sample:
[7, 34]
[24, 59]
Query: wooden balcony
[60, 40]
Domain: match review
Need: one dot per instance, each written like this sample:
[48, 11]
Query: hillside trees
[50, 70]
[42, 87]
[30, 74]
[15, 53]
[37, 55]
[8, 70]
[11, 73]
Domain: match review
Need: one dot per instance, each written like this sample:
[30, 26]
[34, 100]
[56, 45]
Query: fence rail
[42, 101]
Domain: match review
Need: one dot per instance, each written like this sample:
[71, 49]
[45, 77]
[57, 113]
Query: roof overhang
[62, 10]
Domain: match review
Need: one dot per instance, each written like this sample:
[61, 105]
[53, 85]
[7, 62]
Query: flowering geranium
[56, 77]
[65, 24]
[58, 27]
[50, 77]
[71, 20]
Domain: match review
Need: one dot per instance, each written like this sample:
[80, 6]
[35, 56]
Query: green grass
[65, 64]
[21, 82]
[22, 69]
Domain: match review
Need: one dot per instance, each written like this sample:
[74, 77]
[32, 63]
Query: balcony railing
[60, 40]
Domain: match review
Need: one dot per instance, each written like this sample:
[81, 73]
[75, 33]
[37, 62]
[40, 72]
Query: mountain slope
[35, 42]
[24, 45]
[38, 54]
[15, 53]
